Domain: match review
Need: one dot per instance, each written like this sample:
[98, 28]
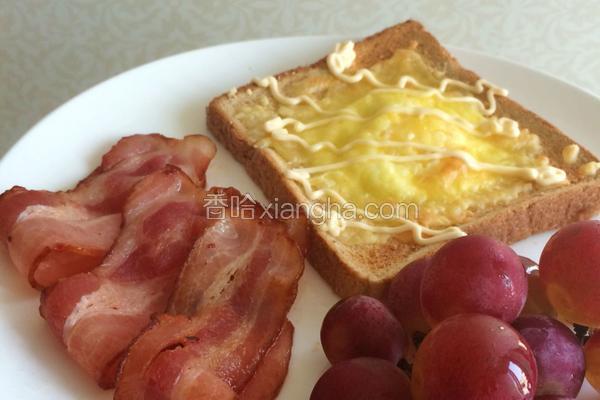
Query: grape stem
[582, 332]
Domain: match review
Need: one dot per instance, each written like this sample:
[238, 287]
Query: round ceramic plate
[170, 96]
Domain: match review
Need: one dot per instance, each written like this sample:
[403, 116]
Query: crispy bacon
[51, 235]
[97, 314]
[223, 336]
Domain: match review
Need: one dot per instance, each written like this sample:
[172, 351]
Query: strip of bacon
[221, 338]
[50, 243]
[136, 156]
[273, 368]
[51, 235]
[97, 314]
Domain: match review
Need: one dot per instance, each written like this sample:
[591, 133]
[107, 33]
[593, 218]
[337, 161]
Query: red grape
[473, 274]
[362, 379]
[362, 326]
[553, 398]
[537, 301]
[404, 297]
[474, 357]
[592, 360]
[570, 272]
[558, 355]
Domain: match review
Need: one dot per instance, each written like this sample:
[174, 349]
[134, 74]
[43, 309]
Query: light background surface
[51, 50]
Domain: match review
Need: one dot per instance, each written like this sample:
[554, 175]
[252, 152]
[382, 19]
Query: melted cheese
[398, 133]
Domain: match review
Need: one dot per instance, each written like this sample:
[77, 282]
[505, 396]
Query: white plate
[170, 96]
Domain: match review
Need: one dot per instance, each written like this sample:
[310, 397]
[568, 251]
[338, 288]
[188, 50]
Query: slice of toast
[368, 267]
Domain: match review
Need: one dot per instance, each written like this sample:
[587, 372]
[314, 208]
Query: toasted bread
[368, 267]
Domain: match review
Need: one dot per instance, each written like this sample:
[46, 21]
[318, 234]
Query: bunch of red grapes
[474, 321]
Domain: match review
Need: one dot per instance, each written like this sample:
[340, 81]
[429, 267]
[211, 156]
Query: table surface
[51, 50]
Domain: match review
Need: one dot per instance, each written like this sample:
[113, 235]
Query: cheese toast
[395, 119]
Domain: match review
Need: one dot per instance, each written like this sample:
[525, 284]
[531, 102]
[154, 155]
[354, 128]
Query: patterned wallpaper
[50, 50]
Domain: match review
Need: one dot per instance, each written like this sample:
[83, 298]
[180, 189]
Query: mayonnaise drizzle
[590, 168]
[344, 55]
[545, 175]
[339, 61]
[271, 83]
[570, 153]
[498, 126]
[336, 224]
[501, 126]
